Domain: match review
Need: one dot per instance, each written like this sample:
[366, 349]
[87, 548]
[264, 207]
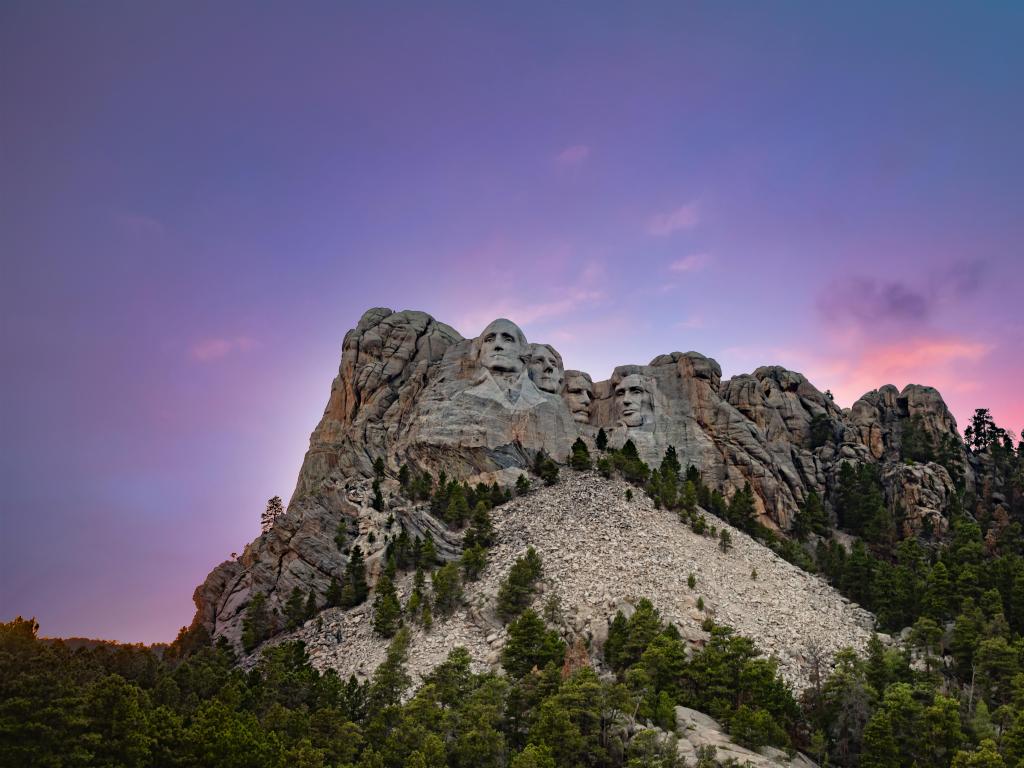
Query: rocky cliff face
[411, 391]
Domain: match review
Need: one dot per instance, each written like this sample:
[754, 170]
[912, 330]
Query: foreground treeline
[129, 706]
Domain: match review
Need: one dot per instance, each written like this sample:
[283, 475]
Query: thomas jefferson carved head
[579, 393]
[503, 347]
[634, 400]
[546, 368]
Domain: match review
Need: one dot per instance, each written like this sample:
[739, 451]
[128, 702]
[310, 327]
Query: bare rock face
[877, 419]
[921, 492]
[413, 392]
[385, 361]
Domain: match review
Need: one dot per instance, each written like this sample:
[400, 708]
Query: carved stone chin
[634, 400]
[546, 368]
[579, 394]
[502, 347]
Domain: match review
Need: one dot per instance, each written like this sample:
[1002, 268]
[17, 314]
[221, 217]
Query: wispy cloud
[692, 263]
[577, 154]
[691, 323]
[865, 301]
[664, 224]
[562, 296]
[208, 350]
[525, 313]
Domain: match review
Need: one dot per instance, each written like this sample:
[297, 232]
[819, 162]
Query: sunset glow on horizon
[199, 201]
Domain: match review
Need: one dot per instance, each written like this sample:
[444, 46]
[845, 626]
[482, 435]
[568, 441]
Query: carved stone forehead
[501, 324]
[538, 350]
[579, 378]
[634, 380]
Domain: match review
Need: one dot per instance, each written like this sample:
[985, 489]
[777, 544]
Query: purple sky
[197, 201]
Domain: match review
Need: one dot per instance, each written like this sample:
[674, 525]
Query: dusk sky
[197, 201]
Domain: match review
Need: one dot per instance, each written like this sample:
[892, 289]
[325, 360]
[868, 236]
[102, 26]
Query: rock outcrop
[412, 392]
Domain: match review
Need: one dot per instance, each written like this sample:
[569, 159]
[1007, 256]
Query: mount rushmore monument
[411, 391]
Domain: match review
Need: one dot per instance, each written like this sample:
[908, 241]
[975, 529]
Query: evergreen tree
[880, 748]
[355, 589]
[580, 457]
[473, 562]
[378, 497]
[725, 540]
[516, 591]
[531, 644]
[333, 595]
[295, 609]
[256, 625]
[403, 476]
[810, 518]
[601, 441]
[387, 611]
[689, 500]
[273, 512]
[741, 509]
[522, 485]
[391, 679]
[378, 468]
[447, 589]
[457, 510]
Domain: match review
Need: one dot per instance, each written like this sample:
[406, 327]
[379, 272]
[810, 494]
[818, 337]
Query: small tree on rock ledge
[274, 510]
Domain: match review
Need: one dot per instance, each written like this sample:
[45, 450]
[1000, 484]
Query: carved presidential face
[634, 401]
[579, 393]
[546, 368]
[502, 347]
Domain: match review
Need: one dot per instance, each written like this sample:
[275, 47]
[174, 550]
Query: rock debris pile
[602, 553]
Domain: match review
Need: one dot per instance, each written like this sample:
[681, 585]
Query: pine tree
[403, 476]
[378, 468]
[531, 644]
[741, 509]
[725, 540]
[311, 607]
[522, 485]
[378, 497]
[516, 590]
[601, 441]
[356, 590]
[457, 510]
[387, 612]
[447, 589]
[580, 457]
[273, 512]
[256, 625]
[295, 609]
[810, 518]
[473, 561]
[333, 595]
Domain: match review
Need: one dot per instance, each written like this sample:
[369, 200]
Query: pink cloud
[692, 263]
[207, 350]
[577, 154]
[664, 224]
